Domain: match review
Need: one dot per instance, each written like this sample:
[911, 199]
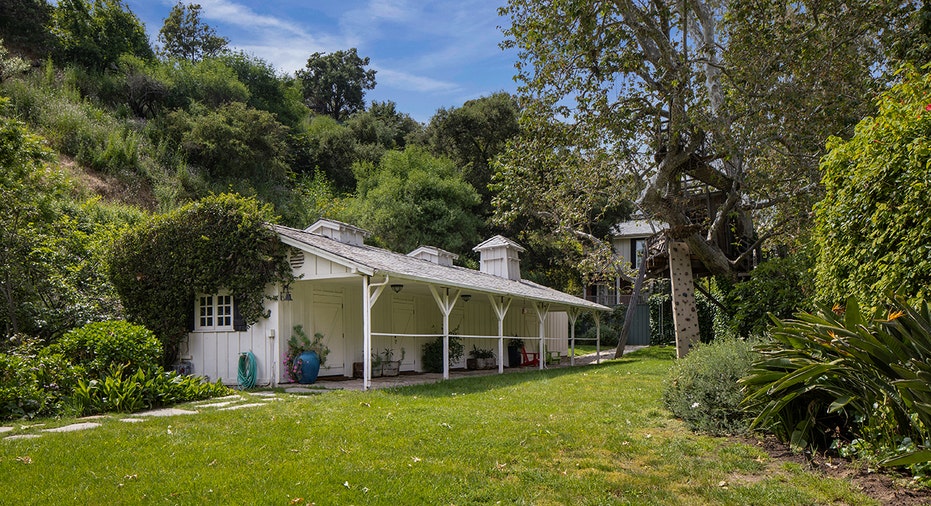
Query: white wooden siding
[216, 354]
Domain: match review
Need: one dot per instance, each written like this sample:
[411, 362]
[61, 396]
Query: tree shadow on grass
[478, 384]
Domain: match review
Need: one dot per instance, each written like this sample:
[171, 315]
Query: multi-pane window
[215, 312]
[636, 252]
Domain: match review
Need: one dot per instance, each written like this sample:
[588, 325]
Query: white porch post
[501, 310]
[446, 305]
[542, 309]
[368, 300]
[366, 335]
[573, 313]
[597, 316]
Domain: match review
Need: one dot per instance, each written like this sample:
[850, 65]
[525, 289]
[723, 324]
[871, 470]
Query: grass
[588, 435]
[585, 349]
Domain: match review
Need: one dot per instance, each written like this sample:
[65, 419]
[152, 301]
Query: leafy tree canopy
[52, 251]
[94, 34]
[220, 242]
[651, 100]
[335, 83]
[267, 91]
[873, 228]
[24, 23]
[184, 36]
[412, 199]
[232, 141]
[473, 135]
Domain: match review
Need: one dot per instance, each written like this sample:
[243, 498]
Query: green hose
[247, 370]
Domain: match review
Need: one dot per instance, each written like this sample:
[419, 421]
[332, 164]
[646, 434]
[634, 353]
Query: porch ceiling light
[397, 288]
[287, 293]
[466, 297]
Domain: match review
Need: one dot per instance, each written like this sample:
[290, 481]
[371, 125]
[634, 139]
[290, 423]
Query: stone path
[231, 402]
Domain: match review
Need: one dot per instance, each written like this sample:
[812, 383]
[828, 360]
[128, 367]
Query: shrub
[220, 242]
[432, 357]
[778, 286]
[703, 387]
[871, 228]
[841, 376]
[33, 384]
[99, 346]
[121, 391]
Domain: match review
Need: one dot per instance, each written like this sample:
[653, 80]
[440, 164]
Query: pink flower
[928, 107]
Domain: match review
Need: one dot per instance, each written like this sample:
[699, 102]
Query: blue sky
[427, 54]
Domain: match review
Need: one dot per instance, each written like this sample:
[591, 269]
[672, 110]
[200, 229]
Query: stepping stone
[94, 417]
[5, 429]
[167, 412]
[21, 436]
[234, 396]
[215, 405]
[269, 399]
[131, 420]
[240, 406]
[265, 394]
[74, 426]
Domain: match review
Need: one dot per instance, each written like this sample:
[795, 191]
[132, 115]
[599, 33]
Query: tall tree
[184, 36]
[413, 199]
[96, 33]
[473, 135]
[661, 97]
[24, 25]
[335, 83]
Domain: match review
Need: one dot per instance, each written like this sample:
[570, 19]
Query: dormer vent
[500, 256]
[435, 255]
[338, 231]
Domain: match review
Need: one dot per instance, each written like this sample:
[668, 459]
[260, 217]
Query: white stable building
[365, 299]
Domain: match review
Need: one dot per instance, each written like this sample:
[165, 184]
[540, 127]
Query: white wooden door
[328, 320]
[402, 314]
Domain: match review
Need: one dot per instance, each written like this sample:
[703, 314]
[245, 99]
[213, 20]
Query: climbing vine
[218, 243]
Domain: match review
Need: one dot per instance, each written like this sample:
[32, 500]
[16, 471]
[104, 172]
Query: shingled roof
[372, 261]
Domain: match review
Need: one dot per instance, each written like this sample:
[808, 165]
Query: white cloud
[243, 16]
[402, 80]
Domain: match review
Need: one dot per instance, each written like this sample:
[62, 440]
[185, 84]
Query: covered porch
[364, 316]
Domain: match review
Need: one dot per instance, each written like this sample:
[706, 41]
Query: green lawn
[587, 435]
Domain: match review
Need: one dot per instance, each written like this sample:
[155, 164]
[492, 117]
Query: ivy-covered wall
[220, 242]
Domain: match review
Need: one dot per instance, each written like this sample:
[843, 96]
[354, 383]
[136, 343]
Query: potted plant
[480, 358]
[514, 347]
[377, 365]
[390, 366]
[305, 356]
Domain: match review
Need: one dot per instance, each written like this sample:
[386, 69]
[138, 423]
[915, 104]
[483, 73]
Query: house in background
[629, 241]
[365, 300]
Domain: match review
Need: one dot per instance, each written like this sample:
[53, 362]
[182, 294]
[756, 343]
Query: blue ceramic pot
[310, 367]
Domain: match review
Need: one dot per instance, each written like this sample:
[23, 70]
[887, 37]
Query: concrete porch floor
[422, 378]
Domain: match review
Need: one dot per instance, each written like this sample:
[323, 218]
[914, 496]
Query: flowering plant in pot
[305, 356]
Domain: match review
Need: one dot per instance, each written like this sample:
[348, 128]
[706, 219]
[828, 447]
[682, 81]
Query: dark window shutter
[192, 315]
[239, 324]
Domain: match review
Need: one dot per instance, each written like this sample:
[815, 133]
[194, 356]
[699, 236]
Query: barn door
[328, 320]
[402, 314]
